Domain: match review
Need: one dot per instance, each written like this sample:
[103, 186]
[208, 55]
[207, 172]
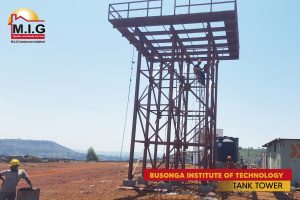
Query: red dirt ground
[97, 181]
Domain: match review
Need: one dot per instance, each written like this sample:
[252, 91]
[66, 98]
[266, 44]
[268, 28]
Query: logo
[26, 27]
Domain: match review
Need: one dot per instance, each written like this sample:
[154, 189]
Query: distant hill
[39, 148]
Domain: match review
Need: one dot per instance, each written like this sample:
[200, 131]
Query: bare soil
[97, 181]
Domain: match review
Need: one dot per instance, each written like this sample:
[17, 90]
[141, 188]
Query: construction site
[175, 84]
[176, 90]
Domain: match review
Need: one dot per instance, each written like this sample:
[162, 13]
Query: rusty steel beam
[199, 46]
[146, 134]
[187, 31]
[195, 53]
[174, 19]
[158, 115]
[196, 59]
[171, 103]
[189, 144]
[192, 39]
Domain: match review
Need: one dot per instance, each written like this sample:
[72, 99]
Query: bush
[29, 158]
[91, 155]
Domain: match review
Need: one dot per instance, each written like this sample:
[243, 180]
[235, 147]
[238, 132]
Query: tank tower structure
[180, 44]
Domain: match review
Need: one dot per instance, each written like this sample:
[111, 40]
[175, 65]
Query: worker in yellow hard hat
[229, 163]
[10, 179]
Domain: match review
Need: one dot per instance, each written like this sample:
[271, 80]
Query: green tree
[91, 155]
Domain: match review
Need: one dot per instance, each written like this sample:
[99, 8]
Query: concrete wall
[285, 154]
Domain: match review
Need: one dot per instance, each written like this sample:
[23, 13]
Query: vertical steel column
[186, 107]
[212, 112]
[216, 105]
[170, 101]
[135, 109]
[158, 114]
[207, 108]
[178, 114]
[146, 134]
[200, 128]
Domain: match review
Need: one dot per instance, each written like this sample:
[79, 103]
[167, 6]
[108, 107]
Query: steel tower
[175, 103]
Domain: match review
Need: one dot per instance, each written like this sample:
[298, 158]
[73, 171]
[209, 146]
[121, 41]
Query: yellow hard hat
[14, 162]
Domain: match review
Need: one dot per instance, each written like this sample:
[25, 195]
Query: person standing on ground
[230, 163]
[10, 179]
[242, 161]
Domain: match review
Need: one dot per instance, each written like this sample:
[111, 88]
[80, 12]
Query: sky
[73, 89]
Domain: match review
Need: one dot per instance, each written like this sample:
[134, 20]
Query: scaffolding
[175, 108]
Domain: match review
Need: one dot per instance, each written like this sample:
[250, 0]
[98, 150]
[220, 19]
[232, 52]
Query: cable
[127, 104]
[126, 112]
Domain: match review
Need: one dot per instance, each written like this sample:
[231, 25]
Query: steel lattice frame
[171, 107]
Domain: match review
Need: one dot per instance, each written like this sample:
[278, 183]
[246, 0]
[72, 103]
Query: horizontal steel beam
[197, 53]
[181, 45]
[125, 32]
[148, 44]
[175, 19]
[200, 46]
[174, 143]
[187, 31]
[191, 39]
[232, 57]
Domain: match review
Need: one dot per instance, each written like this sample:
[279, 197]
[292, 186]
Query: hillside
[42, 149]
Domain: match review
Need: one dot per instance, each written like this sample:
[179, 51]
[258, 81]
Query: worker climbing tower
[180, 44]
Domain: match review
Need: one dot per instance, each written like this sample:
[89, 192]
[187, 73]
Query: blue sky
[73, 88]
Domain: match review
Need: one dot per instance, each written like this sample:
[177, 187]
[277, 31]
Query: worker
[199, 72]
[197, 68]
[230, 163]
[10, 179]
[242, 161]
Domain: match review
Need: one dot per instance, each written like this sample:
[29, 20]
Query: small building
[283, 154]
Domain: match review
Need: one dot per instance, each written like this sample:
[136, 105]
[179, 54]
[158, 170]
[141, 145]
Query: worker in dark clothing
[197, 68]
[243, 166]
[230, 163]
[242, 160]
[200, 74]
[10, 179]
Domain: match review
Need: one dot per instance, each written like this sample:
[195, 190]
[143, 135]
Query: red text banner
[217, 174]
